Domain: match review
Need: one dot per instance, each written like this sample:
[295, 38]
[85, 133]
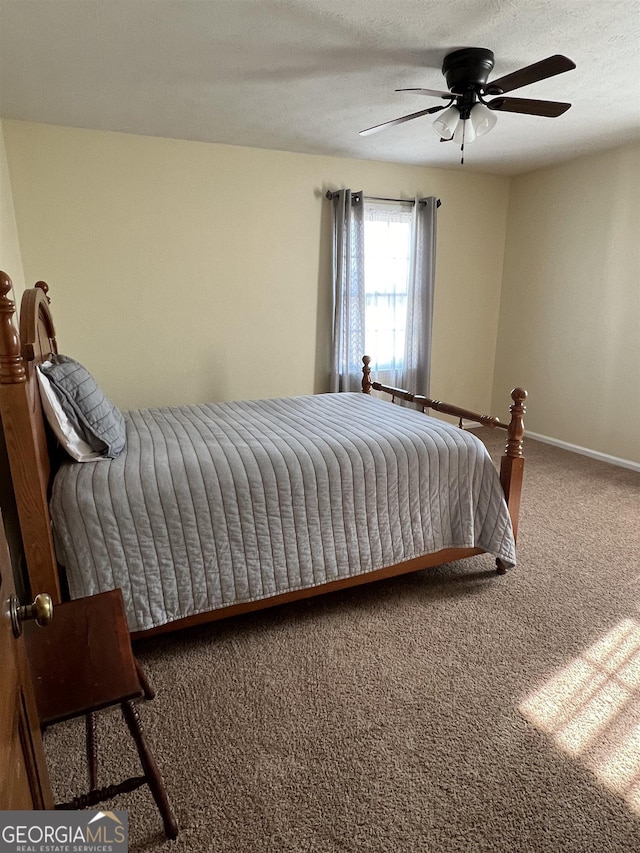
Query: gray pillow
[94, 415]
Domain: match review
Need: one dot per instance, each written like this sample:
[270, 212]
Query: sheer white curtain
[383, 287]
[387, 235]
[348, 291]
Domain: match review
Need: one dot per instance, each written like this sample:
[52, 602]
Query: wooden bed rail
[511, 463]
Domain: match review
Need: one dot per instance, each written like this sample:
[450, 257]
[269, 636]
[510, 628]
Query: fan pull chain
[464, 126]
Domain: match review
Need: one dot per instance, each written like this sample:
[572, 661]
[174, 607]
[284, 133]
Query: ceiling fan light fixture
[464, 132]
[482, 119]
[447, 122]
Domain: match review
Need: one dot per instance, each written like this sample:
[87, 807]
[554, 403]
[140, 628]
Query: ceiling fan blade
[548, 67]
[434, 93]
[382, 126]
[550, 109]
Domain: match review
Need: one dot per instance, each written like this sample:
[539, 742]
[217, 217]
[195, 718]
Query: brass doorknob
[41, 611]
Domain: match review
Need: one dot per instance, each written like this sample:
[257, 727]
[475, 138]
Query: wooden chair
[81, 663]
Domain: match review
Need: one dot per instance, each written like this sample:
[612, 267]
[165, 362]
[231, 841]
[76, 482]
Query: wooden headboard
[24, 426]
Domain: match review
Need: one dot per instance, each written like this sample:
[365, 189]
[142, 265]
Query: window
[387, 251]
[383, 281]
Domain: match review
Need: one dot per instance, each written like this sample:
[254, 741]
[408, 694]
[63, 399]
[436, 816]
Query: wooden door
[24, 782]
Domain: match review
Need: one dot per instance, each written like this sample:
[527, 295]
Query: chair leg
[147, 689]
[92, 750]
[151, 772]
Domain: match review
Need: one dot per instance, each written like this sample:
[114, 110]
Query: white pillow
[61, 426]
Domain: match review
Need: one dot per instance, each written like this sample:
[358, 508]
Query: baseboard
[584, 451]
[565, 445]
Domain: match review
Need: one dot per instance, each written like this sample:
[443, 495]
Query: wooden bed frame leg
[501, 568]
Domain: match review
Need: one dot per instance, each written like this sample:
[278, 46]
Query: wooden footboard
[512, 461]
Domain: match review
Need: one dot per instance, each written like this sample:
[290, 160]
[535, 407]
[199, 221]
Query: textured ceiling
[307, 75]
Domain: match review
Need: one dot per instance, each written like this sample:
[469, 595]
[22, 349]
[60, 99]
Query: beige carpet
[450, 710]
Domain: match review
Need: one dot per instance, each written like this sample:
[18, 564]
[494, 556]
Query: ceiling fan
[468, 114]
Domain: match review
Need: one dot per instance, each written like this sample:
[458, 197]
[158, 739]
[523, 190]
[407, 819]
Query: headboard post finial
[366, 374]
[44, 287]
[516, 425]
[12, 370]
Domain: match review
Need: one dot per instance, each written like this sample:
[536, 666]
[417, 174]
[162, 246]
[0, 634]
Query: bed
[218, 509]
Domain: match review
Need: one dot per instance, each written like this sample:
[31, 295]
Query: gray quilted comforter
[213, 505]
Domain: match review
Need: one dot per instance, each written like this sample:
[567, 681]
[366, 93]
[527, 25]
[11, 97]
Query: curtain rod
[331, 195]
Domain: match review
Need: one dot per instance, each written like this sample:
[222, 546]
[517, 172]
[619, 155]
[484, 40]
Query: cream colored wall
[10, 256]
[184, 271]
[570, 311]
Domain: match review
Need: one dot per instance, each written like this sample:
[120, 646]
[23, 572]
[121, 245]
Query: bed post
[512, 463]
[366, 374]
[27, 451]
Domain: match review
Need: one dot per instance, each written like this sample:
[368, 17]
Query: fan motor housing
[468, 68]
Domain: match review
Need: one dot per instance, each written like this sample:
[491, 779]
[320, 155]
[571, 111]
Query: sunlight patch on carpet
[591, 708]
